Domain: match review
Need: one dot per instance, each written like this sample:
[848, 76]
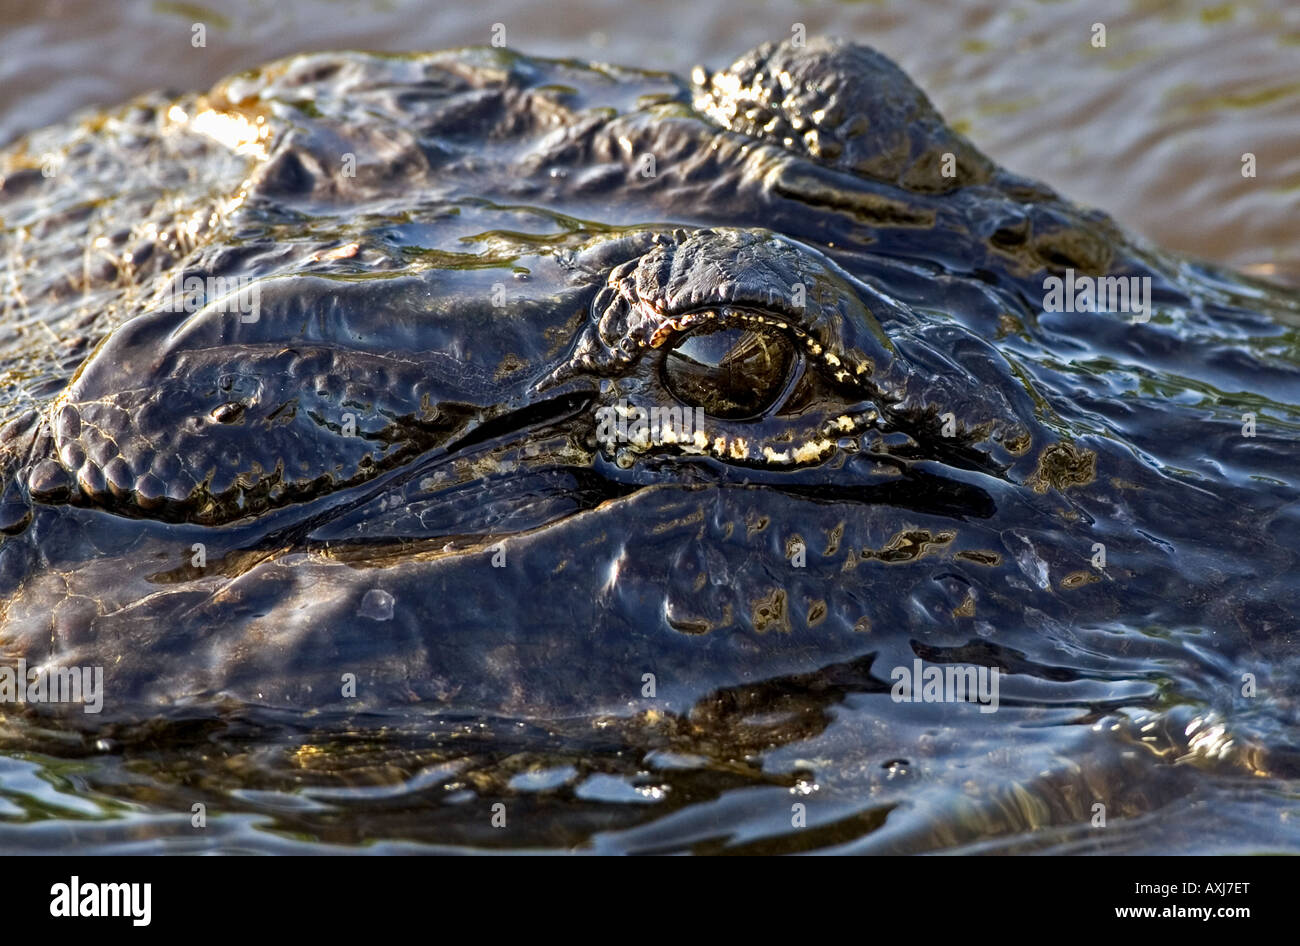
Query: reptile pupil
[731, 373]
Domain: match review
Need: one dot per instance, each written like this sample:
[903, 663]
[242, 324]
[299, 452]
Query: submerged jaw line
[497, 433]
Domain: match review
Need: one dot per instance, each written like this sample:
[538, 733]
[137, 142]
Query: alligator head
[500, 383]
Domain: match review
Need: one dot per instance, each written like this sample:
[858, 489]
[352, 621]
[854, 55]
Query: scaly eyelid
[675, 327]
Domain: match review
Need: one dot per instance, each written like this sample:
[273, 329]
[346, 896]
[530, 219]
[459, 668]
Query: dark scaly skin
[480, 174]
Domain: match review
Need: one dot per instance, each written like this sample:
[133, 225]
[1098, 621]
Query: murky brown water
[1152, 128]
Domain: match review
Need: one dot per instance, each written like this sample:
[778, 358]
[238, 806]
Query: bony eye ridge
[731, 373]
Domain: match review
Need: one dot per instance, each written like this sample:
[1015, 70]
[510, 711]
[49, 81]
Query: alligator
[326, 390]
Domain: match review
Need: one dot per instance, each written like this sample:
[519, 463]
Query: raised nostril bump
[228, 413]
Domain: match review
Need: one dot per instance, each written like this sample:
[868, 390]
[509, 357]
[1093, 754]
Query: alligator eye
[729, 372]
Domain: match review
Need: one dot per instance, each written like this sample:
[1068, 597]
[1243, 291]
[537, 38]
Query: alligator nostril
[1011, 234]
[228, 413]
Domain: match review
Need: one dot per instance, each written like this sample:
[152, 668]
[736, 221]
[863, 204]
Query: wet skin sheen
[370, 441]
